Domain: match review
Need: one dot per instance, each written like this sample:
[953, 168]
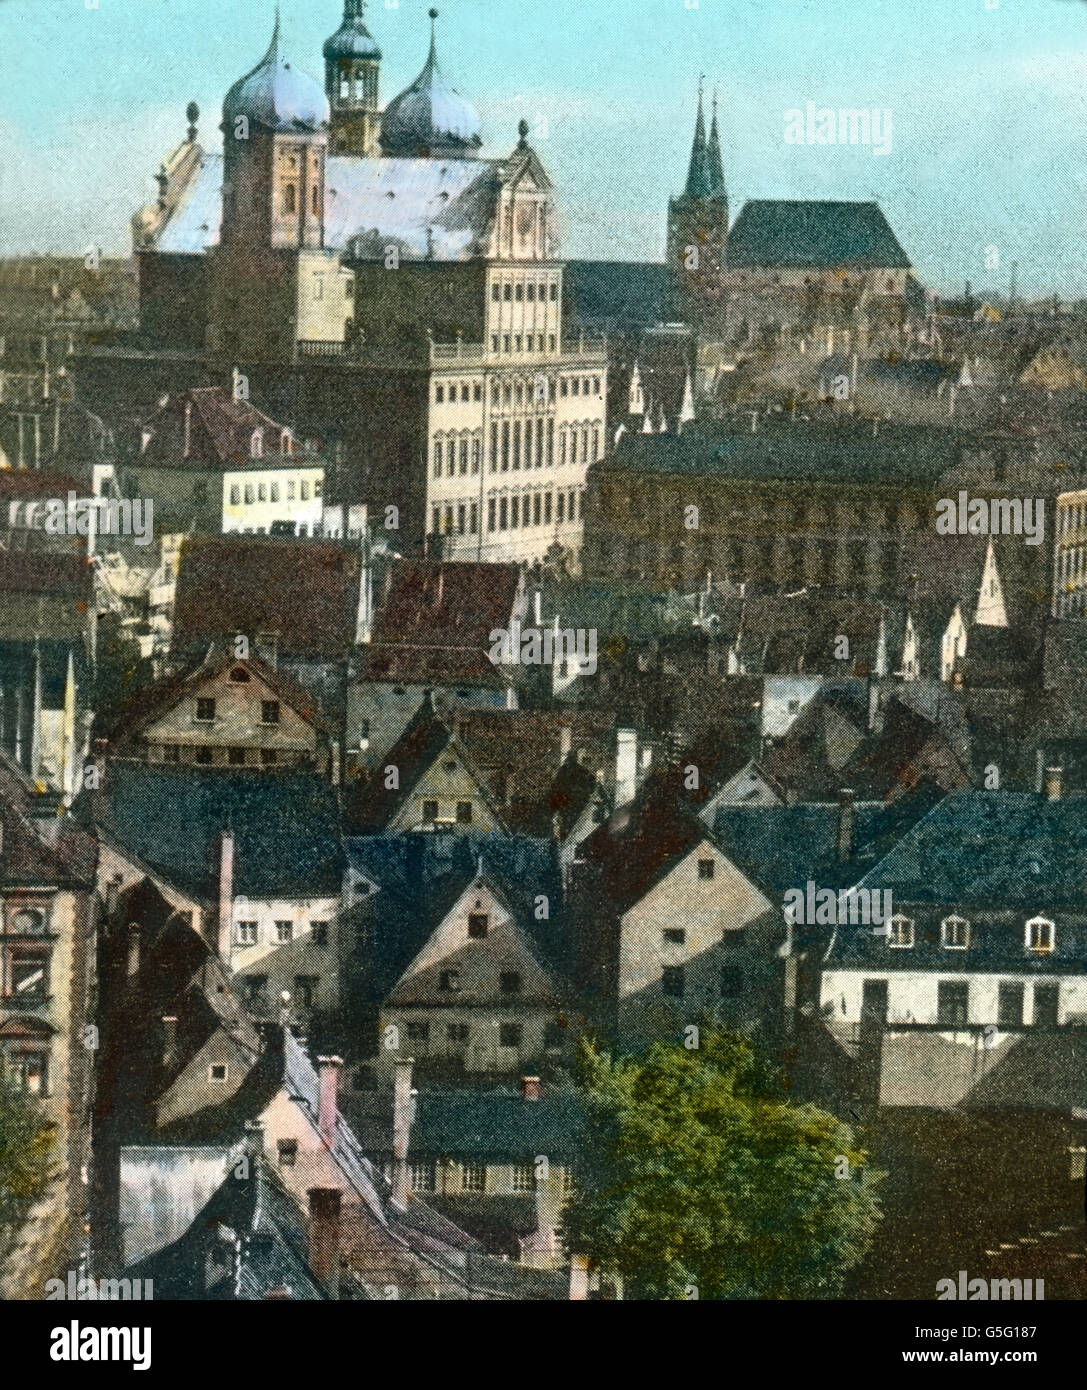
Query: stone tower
[698, 228]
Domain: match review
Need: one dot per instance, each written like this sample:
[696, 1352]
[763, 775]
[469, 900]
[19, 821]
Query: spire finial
[433, 50]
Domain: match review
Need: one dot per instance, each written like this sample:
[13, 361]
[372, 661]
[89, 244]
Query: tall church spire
[699, 179]
[713, 155]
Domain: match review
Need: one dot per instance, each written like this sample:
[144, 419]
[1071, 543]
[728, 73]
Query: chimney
[132, 968]
[188, 427]
[626, 766]
[530, 1088]
[254, 1144]
[113, 889]
[566, 741]
[226, 893]
[579, 1278]
[328, 1069]
[537, 607]
[334, 763]
[403, 1115]
[324, 1237]
[169, 1041]
[1053, 783]
[845, 823]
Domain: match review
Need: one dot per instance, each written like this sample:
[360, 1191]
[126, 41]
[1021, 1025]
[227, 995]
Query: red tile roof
[220, 429]
[445, 604]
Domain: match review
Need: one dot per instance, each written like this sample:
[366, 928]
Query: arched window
[290, 203]
[286, 443]
[1040, 935]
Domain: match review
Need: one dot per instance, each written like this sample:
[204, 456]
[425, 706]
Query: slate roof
[490, 1126]
[781, 847]
[797, 234]
[998, 849]
[901, 456]
[369, 204]
[428, 666]
[286, 828]
[619, 294]
[305, 591]
[419, 877]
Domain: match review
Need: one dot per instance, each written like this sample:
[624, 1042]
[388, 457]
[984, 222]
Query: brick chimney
[845, 823]
[1052, 785]
[226, 893]
[328, 1074]
[626, 766]
[530, 1088]
[324, 1237]
[132, 967]
[403, 1116]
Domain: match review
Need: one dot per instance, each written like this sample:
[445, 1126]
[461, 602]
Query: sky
[988, 157]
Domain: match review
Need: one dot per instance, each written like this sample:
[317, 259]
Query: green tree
[699, 1175]
[26, 1145]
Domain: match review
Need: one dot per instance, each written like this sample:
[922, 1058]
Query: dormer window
[901, 932]
[1040, 935]
[256, 444]
[955, 933]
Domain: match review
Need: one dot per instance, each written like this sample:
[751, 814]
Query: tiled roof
[19, 483]
[44, 572]
[445, 604]
[429, 666]
[26, 857]
[220, 430]
[304, 591]
[813, 235]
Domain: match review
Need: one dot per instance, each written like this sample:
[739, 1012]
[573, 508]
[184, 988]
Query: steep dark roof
[27, 855]
[445, 604]
[220, 431]
[45, 572]
[304, 591]
[1002, 849]
[286, 828]
[813, 235]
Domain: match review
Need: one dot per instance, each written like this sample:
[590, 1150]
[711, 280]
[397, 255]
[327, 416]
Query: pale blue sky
[989, 110]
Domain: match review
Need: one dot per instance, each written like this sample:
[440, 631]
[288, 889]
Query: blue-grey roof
[493, 1126]
[813, 235]
[1013, 850]
[286, 828]
[997, 944]
[276, 96]
[429, 116]
[352, 39]
[369, 204]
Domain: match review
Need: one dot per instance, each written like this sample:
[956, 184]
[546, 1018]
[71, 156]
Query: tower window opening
[289, 199]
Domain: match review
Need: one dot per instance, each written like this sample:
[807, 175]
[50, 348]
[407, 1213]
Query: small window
[171, 753]
[284, 932]
[901, 935]
[477, 925]
[524, 1177]
[268, 757]
[673, 981]
[303, 490]
[430, 812]
[457, 1033]
[235, 495]
[422, 1175]
[246, 934]
[203, 754]
[239, 675]
[449, 980]
[473, 1177]
[419, 1032]
[1040, 935]
[464, 813]
[509, 1034]
[439, 394]
[236, 757]
[217, 1072]
[319, 933]
[955, 933]
[510, 982]
[674, 936]
[205, 711]
[287, 1150]
[269, 711]
[705, 868]
[953, 1002]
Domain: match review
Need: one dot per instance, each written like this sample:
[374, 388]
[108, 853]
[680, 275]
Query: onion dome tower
[352, 60]
[430, 118]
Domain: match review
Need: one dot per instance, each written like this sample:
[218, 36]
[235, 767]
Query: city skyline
[996, 165]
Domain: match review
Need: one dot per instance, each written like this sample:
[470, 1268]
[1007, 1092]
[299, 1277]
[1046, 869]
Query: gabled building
[226, 712]
[668, 932]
